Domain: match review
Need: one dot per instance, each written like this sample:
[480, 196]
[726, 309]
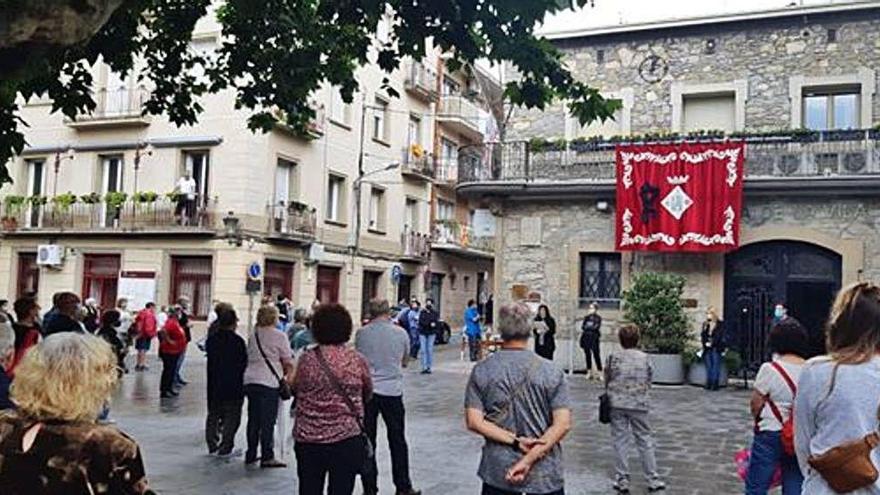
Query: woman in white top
[771, 405]
[839, 397]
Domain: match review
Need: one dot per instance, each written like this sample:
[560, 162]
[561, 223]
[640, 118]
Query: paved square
[697, 435]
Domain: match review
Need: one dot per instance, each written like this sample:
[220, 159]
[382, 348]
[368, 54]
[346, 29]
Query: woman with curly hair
[52, 445]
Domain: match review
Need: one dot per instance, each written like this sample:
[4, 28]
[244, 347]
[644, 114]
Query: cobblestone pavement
[697, 434]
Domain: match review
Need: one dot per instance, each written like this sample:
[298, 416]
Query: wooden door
[328, 284]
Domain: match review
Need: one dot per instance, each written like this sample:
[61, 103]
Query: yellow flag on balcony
[417, 150]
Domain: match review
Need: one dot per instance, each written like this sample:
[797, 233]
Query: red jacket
[174, 340]
[145, 323]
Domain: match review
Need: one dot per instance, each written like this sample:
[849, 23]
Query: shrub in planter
[145, 197]
[115, 199]
[654, 303]
[13, 205]
[63, 202]
[37, 200]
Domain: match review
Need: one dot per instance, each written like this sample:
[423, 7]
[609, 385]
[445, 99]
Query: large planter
[697, 374]
[668, 369]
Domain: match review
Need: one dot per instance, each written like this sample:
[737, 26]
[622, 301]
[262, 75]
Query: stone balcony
[421, 82]
[114, 107]
[460, 115]
[450, 236]
[801, 163]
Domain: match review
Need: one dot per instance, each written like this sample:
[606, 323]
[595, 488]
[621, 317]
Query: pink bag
[742, 467]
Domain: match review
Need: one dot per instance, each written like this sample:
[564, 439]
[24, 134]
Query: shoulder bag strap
[337, 386]
[266, 359]
[785, 376]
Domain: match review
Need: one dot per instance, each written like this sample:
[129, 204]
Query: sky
[616, 12]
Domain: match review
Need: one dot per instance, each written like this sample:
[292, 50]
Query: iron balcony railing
[293, 219]
[797, 155]
[462, 236]
[447, 169]
[161, 214]
[417, 161]
[415, 245]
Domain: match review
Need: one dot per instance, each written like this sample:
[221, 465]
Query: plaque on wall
[530, 231]
[518, 292]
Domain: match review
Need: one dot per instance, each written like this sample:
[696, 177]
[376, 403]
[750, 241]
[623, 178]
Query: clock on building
[653, 68]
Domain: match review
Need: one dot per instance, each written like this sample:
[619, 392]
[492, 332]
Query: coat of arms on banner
[679, 197]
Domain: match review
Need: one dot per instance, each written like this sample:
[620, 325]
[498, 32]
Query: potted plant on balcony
[63, 202]
[90, 199]
[115, 199]
[13, 205]
[145, 197]
[654, 303]
[37, 201]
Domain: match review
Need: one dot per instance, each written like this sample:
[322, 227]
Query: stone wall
[541, 242]
[766, 54]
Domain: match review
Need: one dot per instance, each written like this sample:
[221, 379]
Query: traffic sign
[255, 271]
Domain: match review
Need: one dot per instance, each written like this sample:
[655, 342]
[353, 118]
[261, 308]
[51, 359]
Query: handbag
[369, 468]
[284, 391]
[848, 467]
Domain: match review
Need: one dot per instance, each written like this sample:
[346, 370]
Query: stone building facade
[286, 202]
[797, 85]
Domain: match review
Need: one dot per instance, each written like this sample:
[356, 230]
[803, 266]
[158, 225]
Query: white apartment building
[92, 208]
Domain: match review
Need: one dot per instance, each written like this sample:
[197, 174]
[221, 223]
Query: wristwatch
[515, 444]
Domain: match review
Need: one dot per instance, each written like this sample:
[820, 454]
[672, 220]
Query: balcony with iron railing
[416, 163]
[117, 214]
[421, 82]
[294, 222]
[451, 236]
[803, 161]
[115, 107]
[461, 115]
[446, 171]
[415, 246]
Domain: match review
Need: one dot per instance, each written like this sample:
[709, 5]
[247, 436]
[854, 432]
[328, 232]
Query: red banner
[679, 197]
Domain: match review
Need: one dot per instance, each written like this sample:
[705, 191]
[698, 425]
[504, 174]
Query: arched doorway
[804, 276]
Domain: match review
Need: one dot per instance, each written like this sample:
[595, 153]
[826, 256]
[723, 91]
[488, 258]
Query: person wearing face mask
[780, 312]
[712, 338]
[590, 337]
[412, 325]
[427, 334]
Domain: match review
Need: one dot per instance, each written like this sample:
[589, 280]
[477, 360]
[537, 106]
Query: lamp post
[232, 229]
[356, 233]
[68, 155]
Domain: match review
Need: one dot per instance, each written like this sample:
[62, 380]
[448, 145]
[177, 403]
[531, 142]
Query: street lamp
[68, 155]
[232, 229]
[356, 233]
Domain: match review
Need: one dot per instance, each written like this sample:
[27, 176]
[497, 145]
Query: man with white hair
[7, 352]
[519, 403]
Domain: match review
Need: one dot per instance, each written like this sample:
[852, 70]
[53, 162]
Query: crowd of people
[815, 424]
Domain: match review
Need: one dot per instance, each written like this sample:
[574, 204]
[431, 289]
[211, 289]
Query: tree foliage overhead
[275, 53]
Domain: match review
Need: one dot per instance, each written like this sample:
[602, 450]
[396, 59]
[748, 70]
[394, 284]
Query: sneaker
[411, 491]
[168, 395]
[231, 454]
[621, 485]
[425, 372]
[272, 463]
[656, 485]
[106, 421]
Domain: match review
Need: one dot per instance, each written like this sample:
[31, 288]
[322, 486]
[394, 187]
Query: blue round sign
[255, 271]
[396, 271]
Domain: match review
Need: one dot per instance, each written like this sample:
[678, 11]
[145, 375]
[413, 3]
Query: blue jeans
[713, 368]
[426, 342]
[178, 380]
[413, 343]
[767, 454]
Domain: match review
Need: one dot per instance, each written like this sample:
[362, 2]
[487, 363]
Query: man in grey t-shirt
[386, 347]
[519, 403]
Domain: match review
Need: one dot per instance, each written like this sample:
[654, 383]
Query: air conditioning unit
[315, 254]
[50, 255]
